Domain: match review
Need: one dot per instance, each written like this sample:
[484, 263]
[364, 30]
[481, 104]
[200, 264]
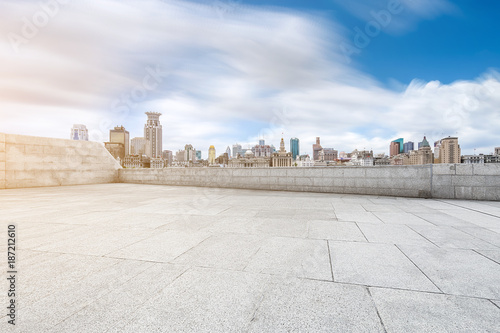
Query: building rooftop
[146, 258]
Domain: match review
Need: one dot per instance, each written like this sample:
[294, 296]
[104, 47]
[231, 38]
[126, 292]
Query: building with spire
[153, 134]
[282, 158]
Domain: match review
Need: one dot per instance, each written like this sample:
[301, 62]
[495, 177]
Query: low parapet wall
[446, 181]
[28, 161]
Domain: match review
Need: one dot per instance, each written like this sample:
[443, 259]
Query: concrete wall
[27, 161]
[446, 181]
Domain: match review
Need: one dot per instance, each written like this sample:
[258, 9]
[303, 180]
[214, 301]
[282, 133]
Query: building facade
[317, 149]
[139, 146]
[248, 160]
[79, 132]
[282, 158]
[450, 150]
[120, 135]
[408, 146]
[153, 134]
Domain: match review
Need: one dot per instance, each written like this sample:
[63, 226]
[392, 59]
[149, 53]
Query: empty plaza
[149, 258]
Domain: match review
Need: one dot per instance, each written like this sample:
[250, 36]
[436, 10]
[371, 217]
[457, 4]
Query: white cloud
[227, 76]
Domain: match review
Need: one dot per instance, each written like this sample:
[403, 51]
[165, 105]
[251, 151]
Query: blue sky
[235, 71]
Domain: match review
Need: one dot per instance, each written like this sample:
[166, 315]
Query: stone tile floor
[145, 258]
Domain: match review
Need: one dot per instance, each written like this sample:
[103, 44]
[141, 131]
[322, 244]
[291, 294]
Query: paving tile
[332, 230]
[376, 265]
[281, 256]
[449, 237]
[458, 272]
[362, 216]
[392, 234]
[401, 218]
[315, 306]
[408, 311]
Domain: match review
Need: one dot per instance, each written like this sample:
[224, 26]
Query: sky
[358, 74]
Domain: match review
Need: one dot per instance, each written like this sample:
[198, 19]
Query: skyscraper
[79, 132]
[139, 146]
[211, 155]
[228, 152]
[153, 133]
[294, 147]
[450, 150]
[317, 149]
[262, 142]
[408, 146]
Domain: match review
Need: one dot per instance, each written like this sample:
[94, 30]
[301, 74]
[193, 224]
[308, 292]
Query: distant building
[211, 155]
[237, 150]
[228, 152]
[120, 135]
[294, 148]
[330, 154]
[497, 150]
[157, 163]
[362, 158]
[437, 149]
[222, 160]
[136, 161]
[305, 162]
[167, 155]
[198, 155]
[116, 149]
[153, 133]
[381, 160]
[423, 155]
[317, 149]
[248, 160]
[450, 150]
[139, 146]
[282, 158]
[262, 150]
[79, 132]
[408, 146]
[480, 159]
[396, 147]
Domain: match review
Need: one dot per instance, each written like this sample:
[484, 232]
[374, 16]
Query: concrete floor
[145, 258]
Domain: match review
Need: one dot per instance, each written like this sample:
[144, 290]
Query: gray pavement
[146, 258]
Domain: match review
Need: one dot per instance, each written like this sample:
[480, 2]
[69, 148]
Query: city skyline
[305, 69]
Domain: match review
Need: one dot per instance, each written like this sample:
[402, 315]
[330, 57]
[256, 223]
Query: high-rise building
[294, 147]
[228, 152]
[153, 133]
[79, 132]
[396, 143]
[167, 155]
[120, 135]
[262, 142]
[262, 150]
[237, 150]
[497, 150]
[317, 149]
[408, 146]
[424, 154]
[450, 150]
[437, 148]
[139, 146]
[211, 155]
[198, 155]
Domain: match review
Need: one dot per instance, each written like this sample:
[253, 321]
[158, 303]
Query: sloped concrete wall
[27, 161]
[443, 181]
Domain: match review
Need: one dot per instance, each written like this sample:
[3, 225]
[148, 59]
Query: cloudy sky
[358, 74]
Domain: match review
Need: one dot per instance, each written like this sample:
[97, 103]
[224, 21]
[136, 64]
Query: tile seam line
[471, 209]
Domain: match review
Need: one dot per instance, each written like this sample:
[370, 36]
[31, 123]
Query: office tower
[211, 155]
[237, 150]
[497, 150]
[118, 144]
[450, 150]
[408, 146]
[294, 148]
[79, 132]
[396, 143]
[189, 153]
[228, 152]
[139, 146]
[153, 133]
[198, 155]
[262, 142]
[437, 148]
[167, 155]
[317, 149]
